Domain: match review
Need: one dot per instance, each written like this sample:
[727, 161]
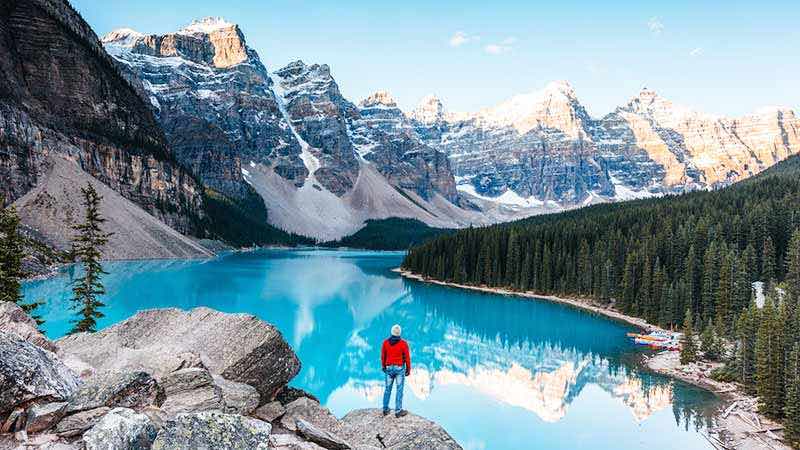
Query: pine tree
[708, 343]
[688, 346]
[746, 332]
[792, 266]
[792, 407]
[87, 244]
[769, 362]
[10, 256]
[11, 253]
[768, 261]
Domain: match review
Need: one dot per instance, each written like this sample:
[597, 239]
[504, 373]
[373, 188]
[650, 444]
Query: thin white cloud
[504, 46]
[697, 51]
[655, 25]
[460, 38]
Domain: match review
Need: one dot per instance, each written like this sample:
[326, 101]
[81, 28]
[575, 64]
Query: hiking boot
[385, 412]
[401, 413]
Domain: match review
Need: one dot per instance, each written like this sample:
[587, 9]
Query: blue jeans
[394, 373]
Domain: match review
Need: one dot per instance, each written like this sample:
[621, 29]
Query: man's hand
[408, 372]
[384, 369]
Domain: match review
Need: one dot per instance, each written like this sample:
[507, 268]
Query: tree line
[87, 245]
[688, 260]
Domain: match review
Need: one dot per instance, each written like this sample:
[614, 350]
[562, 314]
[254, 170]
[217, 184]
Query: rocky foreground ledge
[172, 379]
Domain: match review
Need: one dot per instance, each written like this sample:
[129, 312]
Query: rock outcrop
[193, 402]
[369, 427]
[238, 347]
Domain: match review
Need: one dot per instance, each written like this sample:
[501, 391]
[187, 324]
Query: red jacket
[396, 354]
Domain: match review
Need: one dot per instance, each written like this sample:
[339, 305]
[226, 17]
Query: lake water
[497, 372]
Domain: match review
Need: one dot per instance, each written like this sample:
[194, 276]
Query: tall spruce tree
[688, 345]
[87, 245]
[792, 407]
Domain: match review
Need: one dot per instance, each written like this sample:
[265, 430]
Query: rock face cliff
[63, 103]
[61, 94]
[543, 147]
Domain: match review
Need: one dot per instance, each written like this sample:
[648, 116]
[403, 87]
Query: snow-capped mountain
[543, 147]
[322, 165]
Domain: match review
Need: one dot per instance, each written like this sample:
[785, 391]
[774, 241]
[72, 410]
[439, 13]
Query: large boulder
[126, 389]
[238, 347]
[121, 429]
[14, 320]
[369, 427]
[213, 430]
[29, 372]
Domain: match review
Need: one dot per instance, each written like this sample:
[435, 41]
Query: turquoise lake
[497, 372]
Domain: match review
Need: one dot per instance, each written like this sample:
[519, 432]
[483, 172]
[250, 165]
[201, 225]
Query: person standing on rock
[396, 364]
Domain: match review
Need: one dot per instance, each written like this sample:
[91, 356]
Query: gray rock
[371, 427]
[290, 442]
[213, 430]
[28, 372]
[43, 417]
[270, 411]
[289, 394]
[127, 389]
[239, 347]
[77, 423]
[191, 390]
[310, 411]
[14, 320]
[321, 437]
[121, 429]
[239, 398]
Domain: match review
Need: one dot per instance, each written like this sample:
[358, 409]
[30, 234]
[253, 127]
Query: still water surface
[497, 372]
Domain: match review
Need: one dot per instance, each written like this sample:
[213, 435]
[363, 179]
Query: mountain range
[193, 131]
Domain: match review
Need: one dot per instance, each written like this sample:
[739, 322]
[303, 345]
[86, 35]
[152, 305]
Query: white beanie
[396, 330]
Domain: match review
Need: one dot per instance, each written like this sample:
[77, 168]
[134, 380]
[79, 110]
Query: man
[396, 363]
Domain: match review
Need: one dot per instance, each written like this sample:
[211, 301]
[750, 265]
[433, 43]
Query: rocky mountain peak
[560, 87]
[210, 41]
[125, 37]
[207, 25]
[429, 110]
[379, 98]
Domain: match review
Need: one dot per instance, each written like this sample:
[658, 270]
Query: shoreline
[739, 424]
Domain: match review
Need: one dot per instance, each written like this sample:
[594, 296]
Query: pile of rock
[171, 379]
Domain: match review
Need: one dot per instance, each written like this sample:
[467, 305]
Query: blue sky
[726, 58]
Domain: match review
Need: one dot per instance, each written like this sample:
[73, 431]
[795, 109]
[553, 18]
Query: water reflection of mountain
[535, 355]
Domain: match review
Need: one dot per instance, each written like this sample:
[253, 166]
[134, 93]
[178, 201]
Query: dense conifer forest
[693, 256]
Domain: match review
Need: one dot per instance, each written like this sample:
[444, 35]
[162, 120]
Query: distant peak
[429, 109]
[207, 25]
[121, 36]
[379, 98]
[560, 86]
